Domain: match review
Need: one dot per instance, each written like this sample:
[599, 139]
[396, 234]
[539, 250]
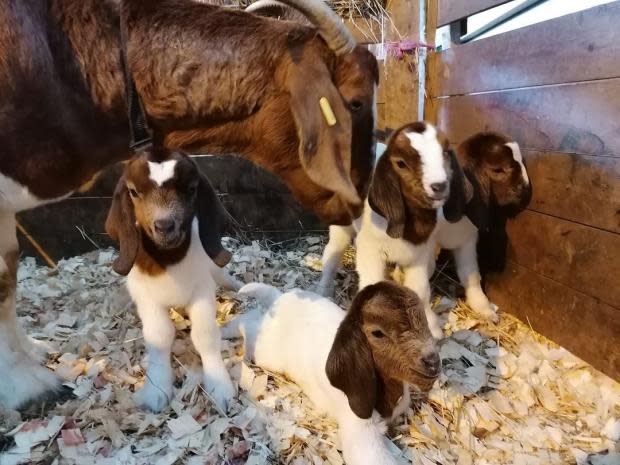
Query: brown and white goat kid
[213, 80]
[164, 213]
[358, 366]
[410, 184]
[494, 182]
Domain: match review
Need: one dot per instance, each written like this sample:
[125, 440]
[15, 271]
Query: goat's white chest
[399, 251]
[180, 283]
[15, 197]
[454, 235]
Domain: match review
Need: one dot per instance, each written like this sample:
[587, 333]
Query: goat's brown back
[67, 59]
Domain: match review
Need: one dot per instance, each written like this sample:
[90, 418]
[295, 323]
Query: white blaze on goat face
[159, 173]
[516, 153]
[431, 157]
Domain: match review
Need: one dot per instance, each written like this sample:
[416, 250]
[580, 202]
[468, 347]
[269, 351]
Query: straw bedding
[506, 395]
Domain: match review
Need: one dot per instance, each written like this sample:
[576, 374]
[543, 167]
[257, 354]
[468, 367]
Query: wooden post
[399, 78]
[432, 78]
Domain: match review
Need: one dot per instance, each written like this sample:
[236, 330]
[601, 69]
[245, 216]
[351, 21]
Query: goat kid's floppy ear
[121, 226]
[461, 191]
[386, 198]
[477, 209]
[492, 244]
[350, 366]
[324, 128]
[211, 221]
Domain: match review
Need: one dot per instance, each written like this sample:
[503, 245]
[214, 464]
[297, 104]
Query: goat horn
[264, 4]
[330, 26]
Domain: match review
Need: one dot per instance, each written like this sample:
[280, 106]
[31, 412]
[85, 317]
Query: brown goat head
[356, 77]
[413, 173]
[495, 174]
[383, 342]
[156, 201]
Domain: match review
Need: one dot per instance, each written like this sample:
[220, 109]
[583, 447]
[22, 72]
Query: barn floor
[506, 395]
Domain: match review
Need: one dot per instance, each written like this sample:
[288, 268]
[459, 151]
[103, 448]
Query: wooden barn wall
[555, 88]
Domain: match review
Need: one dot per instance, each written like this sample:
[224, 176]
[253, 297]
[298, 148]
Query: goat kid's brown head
[495, 175]
[384, 338]
[414, 172]
[156, 201]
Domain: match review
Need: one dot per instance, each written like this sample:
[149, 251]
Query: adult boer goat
[213, 80]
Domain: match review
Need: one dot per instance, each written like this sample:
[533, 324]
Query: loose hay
[506, 395]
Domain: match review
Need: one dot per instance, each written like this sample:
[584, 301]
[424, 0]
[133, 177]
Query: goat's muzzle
[167, 233]
[425, 371]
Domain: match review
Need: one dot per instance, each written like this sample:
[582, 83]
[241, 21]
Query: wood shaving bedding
[506, 395]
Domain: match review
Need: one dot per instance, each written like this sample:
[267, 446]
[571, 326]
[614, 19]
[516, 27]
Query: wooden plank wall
[555, 88]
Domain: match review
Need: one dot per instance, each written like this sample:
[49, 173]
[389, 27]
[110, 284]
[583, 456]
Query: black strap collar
[141, 135]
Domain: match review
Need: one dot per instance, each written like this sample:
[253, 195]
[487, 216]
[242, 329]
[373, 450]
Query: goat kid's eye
[378, 334]
[401, 164]
[133, 193]
[192, 190]
[498, 170]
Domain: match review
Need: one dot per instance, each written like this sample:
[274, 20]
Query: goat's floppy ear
[350, 366]
[324, 128]
[212, 218]
[477, 209]
[461, 191]
[386, 198]
[492, 244]
[121, 226]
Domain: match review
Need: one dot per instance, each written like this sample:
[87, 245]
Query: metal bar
[529, 4]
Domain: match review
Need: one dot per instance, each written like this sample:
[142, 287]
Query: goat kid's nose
[439, 187]
[431, 362]
[164, 226]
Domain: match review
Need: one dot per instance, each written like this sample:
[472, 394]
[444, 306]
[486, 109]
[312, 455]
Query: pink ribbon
[403, 47]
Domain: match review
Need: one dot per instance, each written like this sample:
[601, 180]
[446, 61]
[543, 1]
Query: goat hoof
[153, 398]
[38, 350]
[488, 313]
[40, 407]
[26, 384]
[325, 291]
[6, 443]
[221, 392]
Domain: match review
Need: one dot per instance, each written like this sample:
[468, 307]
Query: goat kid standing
[411, 182]
[493, 185]
[358, 366]
[165, 214]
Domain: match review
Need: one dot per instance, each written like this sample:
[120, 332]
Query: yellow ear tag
[328, 113]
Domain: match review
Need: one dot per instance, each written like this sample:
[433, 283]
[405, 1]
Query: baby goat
[357, 366]
[494, 182]
[411, 182]
[165, 214]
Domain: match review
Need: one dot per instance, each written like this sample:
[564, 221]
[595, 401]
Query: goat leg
[25, 383]
[339, 239]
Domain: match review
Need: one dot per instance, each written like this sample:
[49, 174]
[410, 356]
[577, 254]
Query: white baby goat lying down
[167, 217]
[356, 366]
[410, 184]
